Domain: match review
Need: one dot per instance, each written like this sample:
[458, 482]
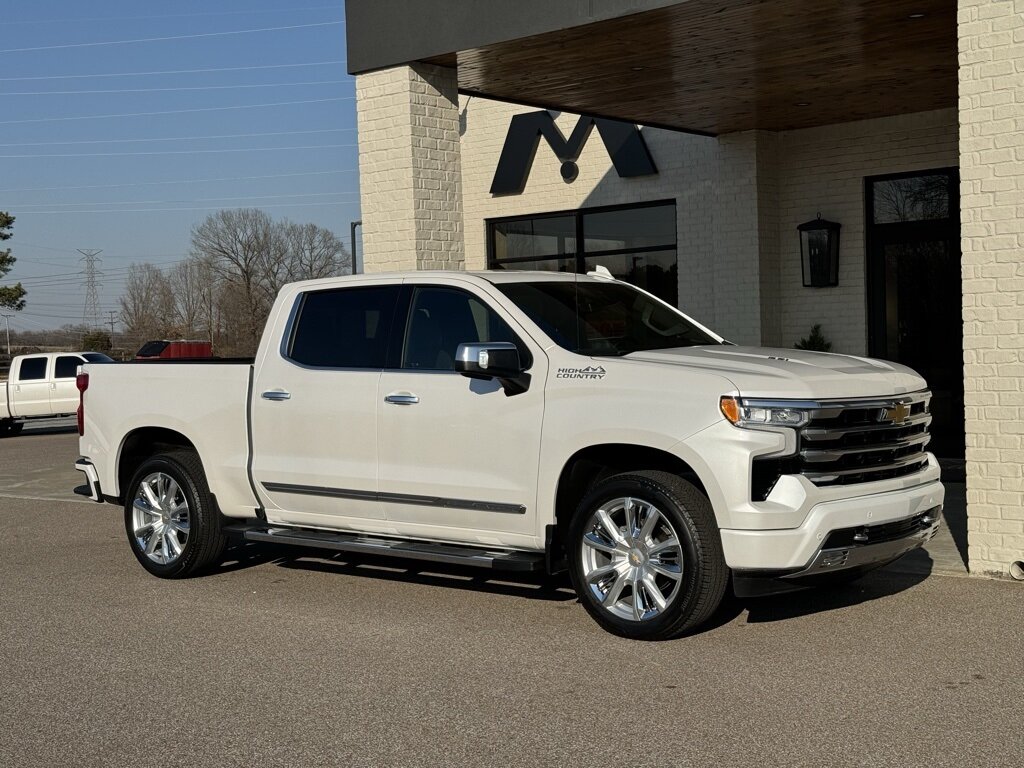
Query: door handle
[401, 398]
[276, 394]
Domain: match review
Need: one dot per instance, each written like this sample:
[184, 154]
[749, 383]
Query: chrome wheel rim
[632, 559]
[160, 518]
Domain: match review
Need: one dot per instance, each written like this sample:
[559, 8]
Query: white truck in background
[41, 386]
[521, 421]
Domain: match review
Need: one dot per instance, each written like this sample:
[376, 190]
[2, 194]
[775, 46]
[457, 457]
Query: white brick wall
[991, 51]
[739, 199]
[822, 170]
[409, 168]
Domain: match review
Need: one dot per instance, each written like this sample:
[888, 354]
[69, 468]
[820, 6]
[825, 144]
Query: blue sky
[114, 183]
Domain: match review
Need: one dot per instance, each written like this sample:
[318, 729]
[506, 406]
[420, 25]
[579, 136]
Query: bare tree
[147, 304]
[192, 285]
[240, 248]
[249, 257]
[314, 252]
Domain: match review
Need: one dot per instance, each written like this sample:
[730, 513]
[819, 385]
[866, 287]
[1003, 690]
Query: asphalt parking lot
[280, 660]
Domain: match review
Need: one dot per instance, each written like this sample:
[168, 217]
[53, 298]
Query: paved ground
[277, 661]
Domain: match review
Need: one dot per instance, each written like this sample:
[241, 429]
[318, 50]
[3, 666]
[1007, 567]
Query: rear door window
[67, 367]
[344, 328]
[32, 369]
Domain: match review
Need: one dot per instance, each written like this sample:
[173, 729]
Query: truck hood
[791, 373]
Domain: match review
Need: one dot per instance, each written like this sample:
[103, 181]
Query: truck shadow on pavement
[39, 431]
[876, 585]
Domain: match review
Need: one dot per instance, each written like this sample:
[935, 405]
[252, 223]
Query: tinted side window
[344, 328]
[66, 367]
[442, 318]
[32, 369]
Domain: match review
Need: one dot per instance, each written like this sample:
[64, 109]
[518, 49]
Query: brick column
[745, 235]
[410, 175]
[991, 57]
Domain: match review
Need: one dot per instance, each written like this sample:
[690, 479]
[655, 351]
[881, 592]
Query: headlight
[754, 413]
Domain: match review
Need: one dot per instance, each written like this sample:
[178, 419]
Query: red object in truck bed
[170, 350]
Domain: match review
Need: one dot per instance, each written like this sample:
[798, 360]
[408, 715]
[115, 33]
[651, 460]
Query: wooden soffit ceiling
[718, 66]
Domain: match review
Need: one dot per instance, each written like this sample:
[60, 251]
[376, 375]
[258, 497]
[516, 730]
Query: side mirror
[493, 360]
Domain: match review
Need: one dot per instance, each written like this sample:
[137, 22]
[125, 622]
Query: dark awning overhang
[707, 66]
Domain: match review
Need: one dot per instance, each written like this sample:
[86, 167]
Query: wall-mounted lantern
[819, 253]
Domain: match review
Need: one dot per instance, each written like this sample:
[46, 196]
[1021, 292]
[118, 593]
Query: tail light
[82, 382]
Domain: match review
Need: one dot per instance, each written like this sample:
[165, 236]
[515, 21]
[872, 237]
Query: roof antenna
[602, 272]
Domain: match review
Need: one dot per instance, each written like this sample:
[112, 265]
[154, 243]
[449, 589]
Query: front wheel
[646, 556]
[170, 517]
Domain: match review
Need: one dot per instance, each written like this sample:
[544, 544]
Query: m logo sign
[623, 141]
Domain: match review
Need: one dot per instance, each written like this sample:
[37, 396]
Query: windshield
[96, 357]
[603, 319]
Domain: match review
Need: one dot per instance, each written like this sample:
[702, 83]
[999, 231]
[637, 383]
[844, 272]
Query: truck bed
[205, 401]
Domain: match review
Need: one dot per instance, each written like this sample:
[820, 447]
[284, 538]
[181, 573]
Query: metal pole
[352, 239]
[7, 321]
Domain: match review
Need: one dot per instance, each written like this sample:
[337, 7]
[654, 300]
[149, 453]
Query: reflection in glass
[654, 271]
[544, 265]
[532, 237]
[914, 198]
[635, 243]
[628, 228]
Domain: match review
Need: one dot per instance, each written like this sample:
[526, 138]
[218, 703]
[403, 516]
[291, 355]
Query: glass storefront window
[655, 271]
[543, 265]
[532, 237]
[629, 228]
[636, 243]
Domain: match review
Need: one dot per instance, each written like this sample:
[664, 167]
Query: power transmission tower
[91, 313]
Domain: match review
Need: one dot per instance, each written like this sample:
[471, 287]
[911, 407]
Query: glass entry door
[914, 290]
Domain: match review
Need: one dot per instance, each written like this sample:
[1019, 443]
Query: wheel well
[143, 443]
[593, 464]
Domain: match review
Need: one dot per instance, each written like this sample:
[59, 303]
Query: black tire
[6, 428]
[704, 574]
[205, 541]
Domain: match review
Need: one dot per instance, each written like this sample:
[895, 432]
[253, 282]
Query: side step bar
[496, 559]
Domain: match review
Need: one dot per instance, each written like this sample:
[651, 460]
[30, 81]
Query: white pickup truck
[528, 421]
[41, 386]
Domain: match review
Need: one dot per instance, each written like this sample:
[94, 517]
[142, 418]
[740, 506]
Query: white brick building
[901, 121]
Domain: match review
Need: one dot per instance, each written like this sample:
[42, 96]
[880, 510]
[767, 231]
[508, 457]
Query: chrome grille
[861, 441]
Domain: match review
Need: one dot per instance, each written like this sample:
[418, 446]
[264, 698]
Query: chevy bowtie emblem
[897, 414]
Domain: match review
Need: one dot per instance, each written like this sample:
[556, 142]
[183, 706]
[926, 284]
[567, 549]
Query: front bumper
[91, 489]
[841, 535]
[833, 563]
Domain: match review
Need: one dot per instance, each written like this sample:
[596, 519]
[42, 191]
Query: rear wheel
[646, 556]
[170, 517]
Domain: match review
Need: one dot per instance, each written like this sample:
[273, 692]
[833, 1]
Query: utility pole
[91, 312]
[112, 314]
[7, 320]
